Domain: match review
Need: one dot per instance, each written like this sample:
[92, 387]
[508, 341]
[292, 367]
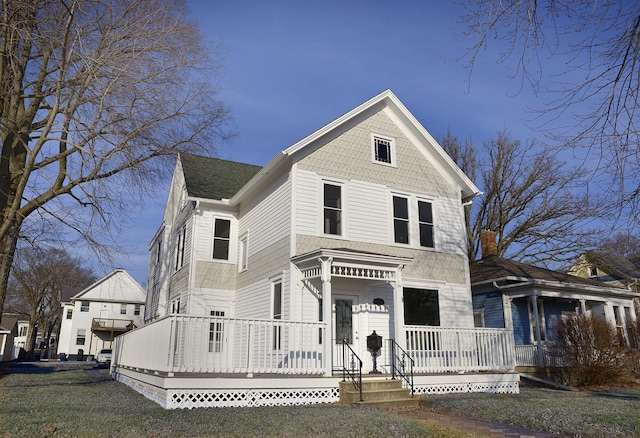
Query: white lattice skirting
[189, 393]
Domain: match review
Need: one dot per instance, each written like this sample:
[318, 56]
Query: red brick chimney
[488, 243]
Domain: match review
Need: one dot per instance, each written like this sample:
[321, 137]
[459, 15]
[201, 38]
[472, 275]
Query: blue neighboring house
[531, 301]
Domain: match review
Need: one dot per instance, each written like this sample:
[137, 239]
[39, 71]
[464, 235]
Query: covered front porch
[191, 361]
[534, 319]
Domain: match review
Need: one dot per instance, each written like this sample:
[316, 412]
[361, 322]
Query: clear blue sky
[292, 66]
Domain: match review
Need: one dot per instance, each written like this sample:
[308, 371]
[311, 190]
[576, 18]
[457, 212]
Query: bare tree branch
[597, 43]
[94, 96]
[530, 200]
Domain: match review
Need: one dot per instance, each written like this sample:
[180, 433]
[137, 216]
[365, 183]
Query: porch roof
[509, 275]
[351, 255]
[350, 263]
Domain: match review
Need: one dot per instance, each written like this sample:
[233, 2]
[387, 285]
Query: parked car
[104, 356]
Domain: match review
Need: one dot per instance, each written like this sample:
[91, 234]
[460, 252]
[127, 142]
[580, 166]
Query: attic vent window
[383, 150]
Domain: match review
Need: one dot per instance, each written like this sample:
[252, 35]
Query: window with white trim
[69, 313]
[216, 332]
[136, 309]
[243, 256]
[81, 336]
[182, 235]
[276, 288]
[158, 250]
[221, 238]
[84, 306]
[383, 150]
[123, 309]
[332, 207]
[23, 330]
[400, 219]
[425, 221]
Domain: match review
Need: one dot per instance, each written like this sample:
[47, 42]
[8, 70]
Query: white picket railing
[193, 344]
[527, 356]
[440, 349]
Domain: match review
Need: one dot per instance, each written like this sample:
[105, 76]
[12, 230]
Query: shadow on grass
[619, 395]
[18, 367]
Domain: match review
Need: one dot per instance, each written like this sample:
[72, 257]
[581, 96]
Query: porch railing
[195, 344]
[440, 349]
[528, 356]
[351, 366]
[180, 343]
[401, 364]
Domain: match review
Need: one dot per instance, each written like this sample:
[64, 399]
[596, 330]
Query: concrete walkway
[478, 427]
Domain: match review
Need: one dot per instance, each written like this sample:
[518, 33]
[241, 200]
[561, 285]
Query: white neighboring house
[96, 315]
[264, 283]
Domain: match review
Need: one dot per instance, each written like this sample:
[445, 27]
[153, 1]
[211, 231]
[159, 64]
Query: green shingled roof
[213, 178]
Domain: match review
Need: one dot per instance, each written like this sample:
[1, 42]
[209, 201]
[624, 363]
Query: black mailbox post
[374, 343]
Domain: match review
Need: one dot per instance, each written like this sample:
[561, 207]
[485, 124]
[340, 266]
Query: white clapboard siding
[268, 218]
[307, 200]
[456, 309]
[255, 301]
[367, 210]
[450, 228]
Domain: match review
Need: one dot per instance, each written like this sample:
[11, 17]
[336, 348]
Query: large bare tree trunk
[8, 245]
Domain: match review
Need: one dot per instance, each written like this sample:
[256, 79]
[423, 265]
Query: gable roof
[9, 321]
[494, 268]
[118, 286]
[213, 178]
[385, 100]
[622, 266]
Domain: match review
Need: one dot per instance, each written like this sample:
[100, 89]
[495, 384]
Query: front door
[345, 326]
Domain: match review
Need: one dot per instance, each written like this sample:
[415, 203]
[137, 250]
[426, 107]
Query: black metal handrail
[351, 372]
[399, 363]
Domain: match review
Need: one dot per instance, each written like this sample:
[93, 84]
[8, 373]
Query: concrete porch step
[380, 393]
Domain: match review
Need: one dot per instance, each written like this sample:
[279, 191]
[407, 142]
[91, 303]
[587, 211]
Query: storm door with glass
[345, 327]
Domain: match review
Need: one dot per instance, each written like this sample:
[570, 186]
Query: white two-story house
[265, 283]
[94, 316]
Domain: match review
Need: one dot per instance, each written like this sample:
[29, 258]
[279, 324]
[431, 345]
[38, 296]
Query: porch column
[398, 312]
[508, 315]
[325, 276]
[609, 313]
[536, 318]
[583, 307]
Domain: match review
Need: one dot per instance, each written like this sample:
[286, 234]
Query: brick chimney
[488, 243]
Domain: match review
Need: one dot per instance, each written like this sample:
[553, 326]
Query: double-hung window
[332, 223]
[81, 336]
[401, 219]
[182, 235]
[413, 221]
[123, 309]
[221, 237]
[84, 306]
[277, 314]
[425, 221]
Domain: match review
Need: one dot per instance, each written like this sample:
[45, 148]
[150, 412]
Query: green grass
[51, 402]
[577, 414]
[74, 403]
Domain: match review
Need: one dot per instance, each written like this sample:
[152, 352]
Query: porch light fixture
[378, 301]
